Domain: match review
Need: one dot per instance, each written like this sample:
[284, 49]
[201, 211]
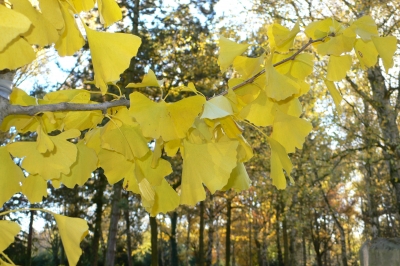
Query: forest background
[344, 190]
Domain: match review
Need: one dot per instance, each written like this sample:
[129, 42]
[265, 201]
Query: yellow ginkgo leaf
[217, 107]
[166, 199]
[44, 143]
[20, 97]
[245, 151]
[279, 87]
[82, 120]
[243, 95]
[239, 179]
[12, 25]
[342, 42]
[365, 27]
[248, 66]
[82, 168]
[228, 50]
[71, 39]
[83, 5]
[110, 12]
[109, 159]
[10, 176]
[51, 10]
[149, 80]
[283, 68]
[111, 55]
[279, 161]
[75, 96]
[8, 232]
[338, 67]
[72, 232]
[167, 120]
[147, 193]
[42, 31]
[21, 123]
[302, 65]
[16, 54]
[154, 174]
[126, 140]
[122, 117]
[366, 53]
[34, 187]
[189, 87]
[291, 106]
[231, 128]
[172, 147]
[93, 139]
[259, 112]
[319, 29]
[280, 37]
[290, 131]
[157, 152]
[337, 97]
[304, 87]
[220, 159]
[49, 165]
[386, 47]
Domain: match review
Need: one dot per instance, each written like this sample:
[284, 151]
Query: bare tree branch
[7, 109]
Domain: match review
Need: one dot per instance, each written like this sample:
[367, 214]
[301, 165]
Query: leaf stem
[7, 258]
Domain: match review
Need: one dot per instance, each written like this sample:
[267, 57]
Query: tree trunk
[136, 13]
[189, 219]
[340, 228]
[173, 242]
[278, 241]
[233, 255]
[200, 256]
[303, 240]
[228, 232]
[250, 238]
[154, 241]
[293, 247]
[387, 117]
[211, 229]
[30, 237]
[128, 231]
[98, 200]
[285, 241]
[368, 177]
[113, 230]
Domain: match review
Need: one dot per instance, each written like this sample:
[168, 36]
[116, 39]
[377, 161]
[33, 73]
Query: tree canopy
[133, 136]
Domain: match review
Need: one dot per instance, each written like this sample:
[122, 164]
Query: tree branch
[292, 57]
[361, 93]
[7, 109]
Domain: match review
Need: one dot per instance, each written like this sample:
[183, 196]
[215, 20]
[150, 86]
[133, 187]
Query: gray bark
[113, 230]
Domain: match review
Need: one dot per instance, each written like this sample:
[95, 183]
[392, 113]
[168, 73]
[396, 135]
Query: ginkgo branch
[7, 109]
[292, 57]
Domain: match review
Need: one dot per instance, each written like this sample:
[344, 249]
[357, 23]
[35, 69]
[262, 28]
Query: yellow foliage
[166, 120]
[12, 25]
[111, 54]
[229, 50]
[281, 38]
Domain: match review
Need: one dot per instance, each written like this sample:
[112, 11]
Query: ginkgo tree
[75, 135]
